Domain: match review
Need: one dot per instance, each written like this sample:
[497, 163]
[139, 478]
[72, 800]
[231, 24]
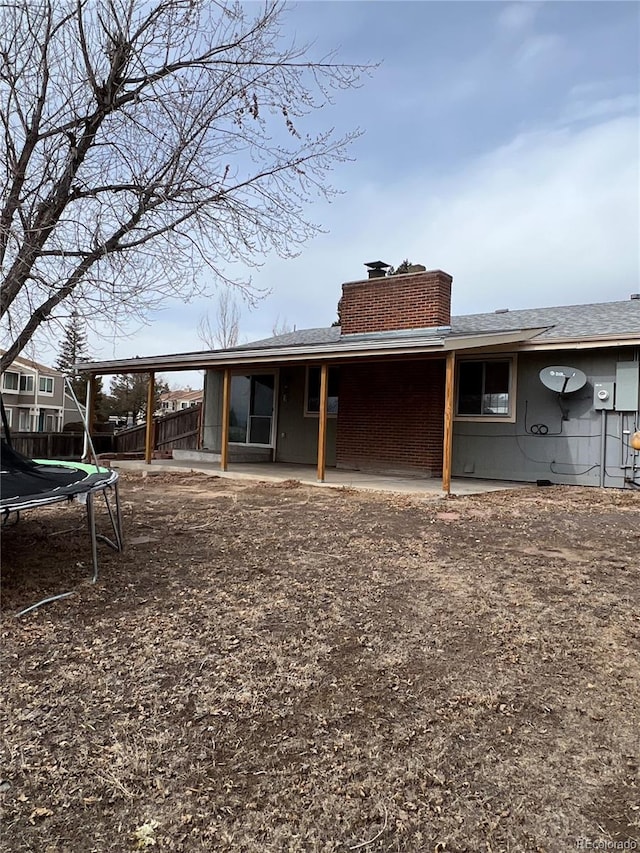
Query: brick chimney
[413, 300]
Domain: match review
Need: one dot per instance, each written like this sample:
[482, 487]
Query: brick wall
[418, 300]
[391, 416]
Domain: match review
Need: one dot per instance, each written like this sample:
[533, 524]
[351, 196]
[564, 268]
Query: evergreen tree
[129, 395]
[403, 267]
[74, 347]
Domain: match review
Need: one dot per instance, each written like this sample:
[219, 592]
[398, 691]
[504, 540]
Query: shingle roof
[567, 321]
[34, 365]
[303, 337]
[180, 394]
[596, 323]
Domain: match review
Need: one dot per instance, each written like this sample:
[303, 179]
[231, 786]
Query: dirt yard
[281, 668]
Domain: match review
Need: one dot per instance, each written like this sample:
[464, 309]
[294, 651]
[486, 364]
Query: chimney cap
[377, 269]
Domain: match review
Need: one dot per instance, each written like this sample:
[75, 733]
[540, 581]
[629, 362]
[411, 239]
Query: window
[485, 389]
[8, 413]
[10, 381]
[251, 409]
[26, 383]
[312, 398]
[24, 421]
[45, 384]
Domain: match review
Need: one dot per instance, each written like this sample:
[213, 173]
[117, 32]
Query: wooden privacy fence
[130, 440]
[48, 445]
[175, 431]
[57, 445]
[178, 430]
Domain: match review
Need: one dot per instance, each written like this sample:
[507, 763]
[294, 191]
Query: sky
[500, 143]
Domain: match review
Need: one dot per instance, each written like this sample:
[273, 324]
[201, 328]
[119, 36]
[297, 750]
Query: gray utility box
[627, 386]
[603, 395]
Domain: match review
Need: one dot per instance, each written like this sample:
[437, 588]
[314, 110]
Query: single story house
[35, 398]
[401, 386]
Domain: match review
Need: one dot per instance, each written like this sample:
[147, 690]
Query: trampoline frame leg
[115, 517]
[117, 543]
[91, 520]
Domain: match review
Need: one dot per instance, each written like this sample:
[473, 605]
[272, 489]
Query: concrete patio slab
[334, 477]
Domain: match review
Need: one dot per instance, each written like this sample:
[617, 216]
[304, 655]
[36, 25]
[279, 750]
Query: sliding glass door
[251, 409]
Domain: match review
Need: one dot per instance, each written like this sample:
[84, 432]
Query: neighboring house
[35, 399]
[176, 401]
[410, 389]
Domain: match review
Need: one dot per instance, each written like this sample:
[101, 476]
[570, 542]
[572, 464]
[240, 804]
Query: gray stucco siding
[212, 415]
[571, 450]
[297, 433]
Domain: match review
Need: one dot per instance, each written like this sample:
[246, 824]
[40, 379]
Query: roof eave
[336, 351]
[222, 358]
[593, 342]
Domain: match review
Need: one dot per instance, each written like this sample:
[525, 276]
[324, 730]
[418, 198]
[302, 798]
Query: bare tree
[225, 331]
[281, 326]
[145, 141]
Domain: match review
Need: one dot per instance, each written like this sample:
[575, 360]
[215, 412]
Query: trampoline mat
[26, 483]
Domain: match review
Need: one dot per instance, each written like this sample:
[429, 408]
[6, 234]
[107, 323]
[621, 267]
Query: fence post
[200, 435]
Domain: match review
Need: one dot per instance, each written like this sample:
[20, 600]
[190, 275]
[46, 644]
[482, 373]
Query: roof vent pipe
[377, 269]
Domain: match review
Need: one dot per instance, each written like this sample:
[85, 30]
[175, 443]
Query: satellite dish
[563, 380]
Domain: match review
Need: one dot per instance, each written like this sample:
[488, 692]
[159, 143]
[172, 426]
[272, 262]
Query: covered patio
[336, 478]
[423, 365]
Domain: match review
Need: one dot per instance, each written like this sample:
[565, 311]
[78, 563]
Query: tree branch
[145, 143]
